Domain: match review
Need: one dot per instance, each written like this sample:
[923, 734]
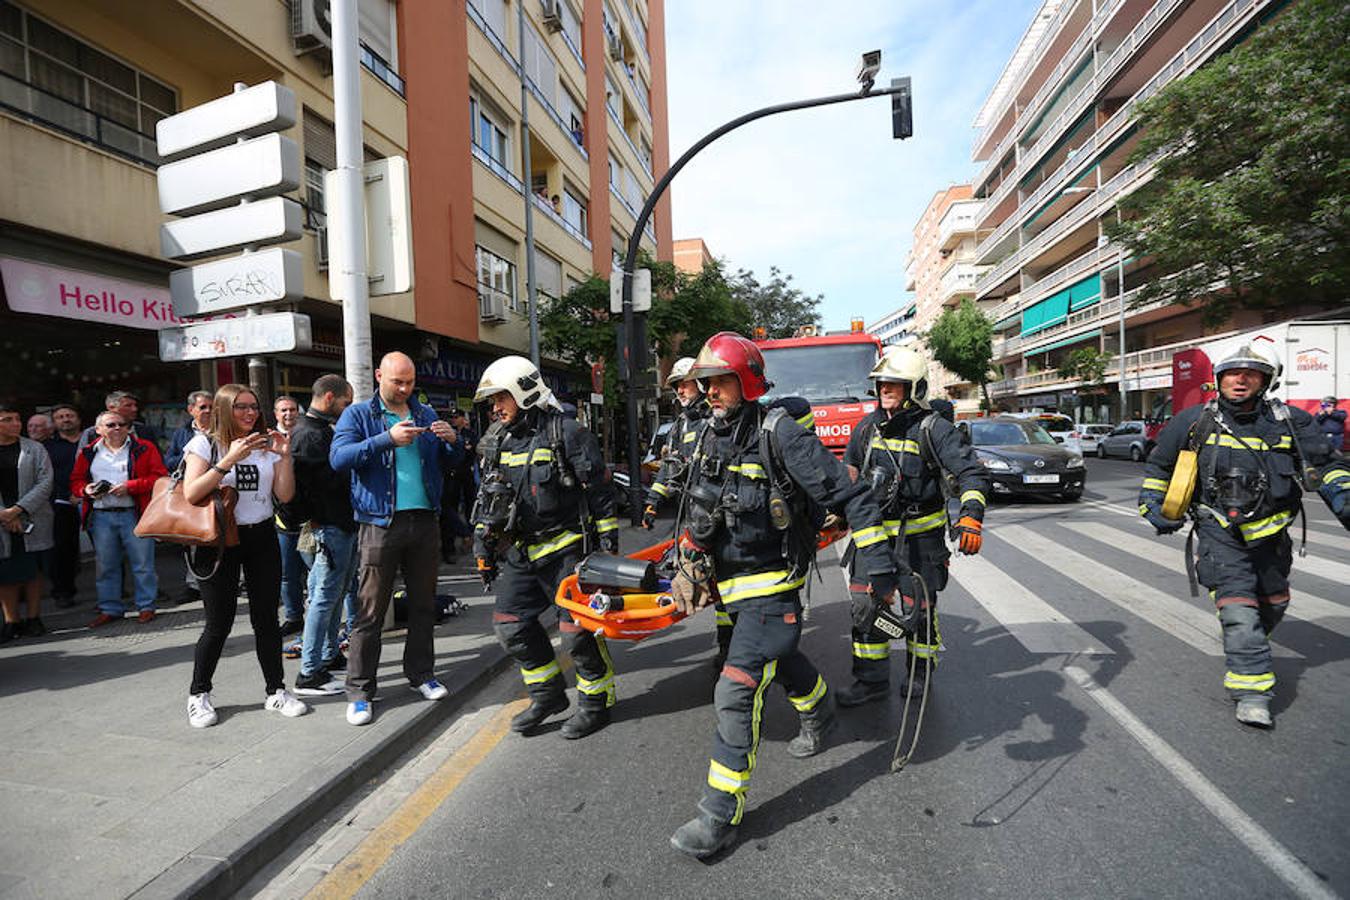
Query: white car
[1088, 435]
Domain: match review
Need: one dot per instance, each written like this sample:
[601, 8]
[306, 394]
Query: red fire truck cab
[830, 371]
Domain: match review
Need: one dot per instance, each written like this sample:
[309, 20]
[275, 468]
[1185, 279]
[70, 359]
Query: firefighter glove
[649, 517]
[1161, 523]
[970, 533]
[882, 586]
[487, 570]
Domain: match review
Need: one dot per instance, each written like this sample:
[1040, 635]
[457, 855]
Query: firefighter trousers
[525, 591]
[928, 556]
[763, 650]
[1249, 583]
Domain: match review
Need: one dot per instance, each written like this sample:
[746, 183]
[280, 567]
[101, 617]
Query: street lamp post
[634, 352]
[1120, 292]
[531, 285]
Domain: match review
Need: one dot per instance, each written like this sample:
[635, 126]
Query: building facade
[1054, 137]
[82, 83]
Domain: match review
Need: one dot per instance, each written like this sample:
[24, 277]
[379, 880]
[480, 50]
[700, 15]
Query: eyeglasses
[247, 407]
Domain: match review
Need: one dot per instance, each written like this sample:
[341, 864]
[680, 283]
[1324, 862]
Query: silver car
[1125, 440]
[1090, 435]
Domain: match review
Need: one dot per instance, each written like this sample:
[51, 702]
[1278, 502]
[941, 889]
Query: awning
[1087, 335]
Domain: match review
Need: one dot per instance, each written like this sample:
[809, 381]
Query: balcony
[380, 68]
[958, 221]
[497, 168]
[959, 280]
[557, 219]
[36, 105]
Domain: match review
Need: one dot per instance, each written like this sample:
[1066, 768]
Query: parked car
[1057, 425]
[1022, 458]
[1090, 435]
[1128, 439]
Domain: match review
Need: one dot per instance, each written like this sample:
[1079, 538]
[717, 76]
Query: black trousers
[928, 556]
[259, 557]
[66, 552]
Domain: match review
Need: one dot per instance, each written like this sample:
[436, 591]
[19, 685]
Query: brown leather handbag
[169, 517]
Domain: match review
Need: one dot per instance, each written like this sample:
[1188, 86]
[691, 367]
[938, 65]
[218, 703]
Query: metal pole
[627, 368]
[347, 219]
[531, 286]
[1120, 292]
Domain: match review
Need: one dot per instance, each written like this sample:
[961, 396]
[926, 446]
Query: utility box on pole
[388, 228]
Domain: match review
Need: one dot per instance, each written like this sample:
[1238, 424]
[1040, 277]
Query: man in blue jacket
[394, 447]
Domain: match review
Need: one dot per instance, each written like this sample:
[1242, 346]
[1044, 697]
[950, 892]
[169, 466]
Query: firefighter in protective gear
[1252, 452]
[758, 487]
[913, 459]
[679, 444]
[549, 473]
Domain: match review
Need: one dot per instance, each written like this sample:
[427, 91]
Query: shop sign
[50, 291]
[242, 336]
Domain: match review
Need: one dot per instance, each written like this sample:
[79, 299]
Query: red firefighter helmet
[727, 353]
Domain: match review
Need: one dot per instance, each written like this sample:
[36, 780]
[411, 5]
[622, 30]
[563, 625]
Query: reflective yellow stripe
[871, 651]
[727, 780]
[689, 436]
[1143, 510]
[603, 525]
[892, 527]
[599, 686]
[895, 445]
[926, 523]
[808, 701]
[749, 470]
[723, 618]
[764, 584]
[977, 496]
[1235, 682]
[926, 651]
[1253, 443]
[808, 420]
[660, 489]
[866, 537]
[1154, 484]
[537, 551]
[540, 454]
[541, 674]
[1334, 475]
[1262, 528]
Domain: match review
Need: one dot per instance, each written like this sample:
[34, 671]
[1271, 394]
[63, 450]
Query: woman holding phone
[256, 462]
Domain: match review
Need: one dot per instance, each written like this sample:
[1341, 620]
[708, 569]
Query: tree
[777, 307]
[1087, 364]
[1247, 208]
[962, 341]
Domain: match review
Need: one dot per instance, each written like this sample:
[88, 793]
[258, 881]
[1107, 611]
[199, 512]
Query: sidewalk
[110, 793]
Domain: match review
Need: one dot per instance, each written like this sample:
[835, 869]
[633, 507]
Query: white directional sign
[263, 167]
[267, 276]
[275, 220]
[243, 336]
[389, 261]
[261, 109]
[642, 291]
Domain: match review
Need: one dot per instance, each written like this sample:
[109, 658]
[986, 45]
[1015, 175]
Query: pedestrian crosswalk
[1036, 624]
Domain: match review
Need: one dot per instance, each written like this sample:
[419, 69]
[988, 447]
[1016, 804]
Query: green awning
[1085, 293]
[1087, 335]
[1056, 308]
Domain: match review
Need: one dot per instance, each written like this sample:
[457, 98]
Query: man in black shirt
[62, 447]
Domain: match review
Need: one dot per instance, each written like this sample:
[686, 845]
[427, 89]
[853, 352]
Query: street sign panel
[263, 167]
[275, 220]
[261, 109]
[270, 333]
[389, 261]
[642, 291]
[267, 276]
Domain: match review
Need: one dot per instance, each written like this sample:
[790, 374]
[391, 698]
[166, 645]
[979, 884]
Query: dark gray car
[1021, 458]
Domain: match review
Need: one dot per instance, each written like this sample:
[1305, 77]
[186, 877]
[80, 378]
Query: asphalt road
[1078, 743]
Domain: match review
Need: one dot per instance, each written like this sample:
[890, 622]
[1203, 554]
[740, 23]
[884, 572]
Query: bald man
[394, 447]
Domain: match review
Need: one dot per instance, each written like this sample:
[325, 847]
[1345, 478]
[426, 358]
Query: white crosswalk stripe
[1309, 607]
[1036, 624]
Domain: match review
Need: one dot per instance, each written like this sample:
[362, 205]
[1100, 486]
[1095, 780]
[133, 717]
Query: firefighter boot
[817, 724]
[585, 721]
[703, 836]
[542, 706]
[1254, 710]
[860, 692]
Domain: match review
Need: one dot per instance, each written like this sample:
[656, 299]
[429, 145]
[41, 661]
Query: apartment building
[1053, 138]
[691, 255]
[896, 327]
[83, 82]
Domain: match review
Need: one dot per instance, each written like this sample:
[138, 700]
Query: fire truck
[828, 370]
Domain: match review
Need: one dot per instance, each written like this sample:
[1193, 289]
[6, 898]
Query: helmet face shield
[728, 353]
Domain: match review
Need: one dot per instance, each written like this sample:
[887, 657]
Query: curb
[223, 864]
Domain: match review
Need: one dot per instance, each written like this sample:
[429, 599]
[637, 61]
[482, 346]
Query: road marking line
[1260, 842]
[1307, 607]
[1037, 625]
[362, 863]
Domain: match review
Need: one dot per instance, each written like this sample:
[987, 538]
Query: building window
[571, 28]
[574, 211]
[574, 113]
[496, 275]
[489, 131]
[315, 209]
[618, 250]
[615, 175]
[494, 14]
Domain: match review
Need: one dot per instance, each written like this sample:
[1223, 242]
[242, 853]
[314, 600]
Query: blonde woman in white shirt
[237, 453]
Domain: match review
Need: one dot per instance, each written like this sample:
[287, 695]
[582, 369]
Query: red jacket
[145, 464]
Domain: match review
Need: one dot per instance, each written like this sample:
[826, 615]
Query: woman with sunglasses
[238, 453]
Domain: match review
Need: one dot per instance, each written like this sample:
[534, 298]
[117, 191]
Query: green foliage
[962, 341]
[1247, 208]
[1087, 364]
[777, 307]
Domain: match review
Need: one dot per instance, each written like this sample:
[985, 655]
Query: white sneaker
[358, 712]
[286, 703]
[201, 714]
[432, 689]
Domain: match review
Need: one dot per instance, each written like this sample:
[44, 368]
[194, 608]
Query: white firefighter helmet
[905, 366]
[680, 371]
[518, 376]
[1261, 359]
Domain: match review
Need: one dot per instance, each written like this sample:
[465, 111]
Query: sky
[826, 194]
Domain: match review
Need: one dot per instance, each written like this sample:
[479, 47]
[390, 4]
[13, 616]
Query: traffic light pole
[631, 354]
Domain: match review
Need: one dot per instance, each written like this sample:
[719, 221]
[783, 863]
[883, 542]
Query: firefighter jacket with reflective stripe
[749, 558]
[675, 455]
[894, 445]
[1253, 443]
[550, 514]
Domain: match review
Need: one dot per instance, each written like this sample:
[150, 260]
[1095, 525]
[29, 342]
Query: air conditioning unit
[321, 244]
[491, 306]
[553, 15]
[311, 26]
[615, 47]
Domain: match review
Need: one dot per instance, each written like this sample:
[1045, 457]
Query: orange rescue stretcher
[643, 613]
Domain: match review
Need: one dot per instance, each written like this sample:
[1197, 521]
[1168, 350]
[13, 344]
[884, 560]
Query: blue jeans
[330, 577]
[292, 576]
[111, 530]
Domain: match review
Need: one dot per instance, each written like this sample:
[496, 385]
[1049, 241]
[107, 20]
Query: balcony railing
[959, 279]
[35, 104]
[381, 69]
[638, 91]
[497, 168]
[959, 218]
[548, 210]
[492, 37]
